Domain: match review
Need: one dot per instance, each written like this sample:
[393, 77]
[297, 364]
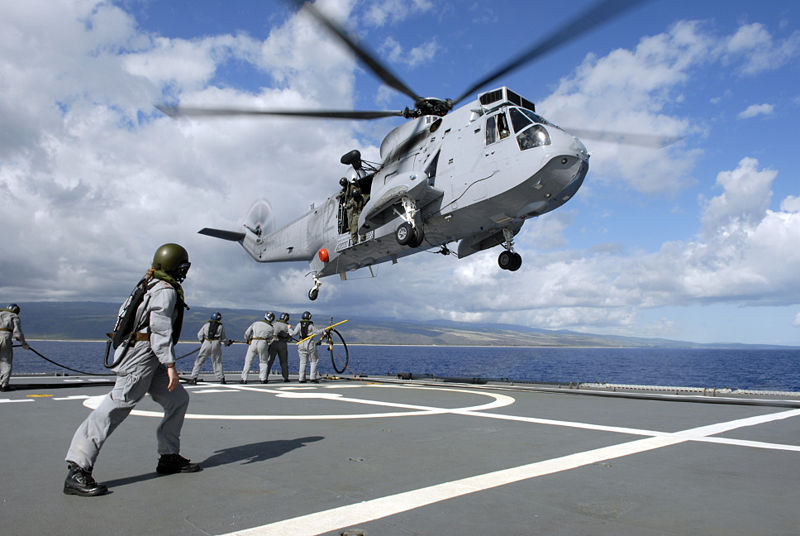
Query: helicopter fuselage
[473, 176]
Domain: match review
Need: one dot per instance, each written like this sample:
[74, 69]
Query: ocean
[762, 369]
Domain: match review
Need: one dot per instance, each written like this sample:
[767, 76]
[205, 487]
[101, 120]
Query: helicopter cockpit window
[502, 126]
[491, 130]
[536, 117]
[496, 128]
[518, 119]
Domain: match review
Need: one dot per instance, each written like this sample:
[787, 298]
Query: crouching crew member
[278, 345]
[211, 336]
[149, 367]
[257, 337]
[307, 349]
[10, 329]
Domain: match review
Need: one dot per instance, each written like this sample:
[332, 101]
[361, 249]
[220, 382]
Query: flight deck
[387, 456]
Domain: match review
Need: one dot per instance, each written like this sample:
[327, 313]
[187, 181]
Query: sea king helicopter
[460, 172]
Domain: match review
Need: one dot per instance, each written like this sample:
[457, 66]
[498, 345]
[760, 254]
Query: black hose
[189, 353]
[62, 366]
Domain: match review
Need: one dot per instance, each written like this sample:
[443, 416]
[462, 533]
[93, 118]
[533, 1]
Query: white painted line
[72, 397]
[367, 511]
[15, 400]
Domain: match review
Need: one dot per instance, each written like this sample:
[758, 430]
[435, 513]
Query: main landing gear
[509, 259]
[409, 233]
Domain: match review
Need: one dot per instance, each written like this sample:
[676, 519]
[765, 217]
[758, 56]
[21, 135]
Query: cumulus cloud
[755, 46]
[756, 109]
[393, 11]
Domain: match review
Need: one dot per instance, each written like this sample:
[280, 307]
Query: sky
[697, 241]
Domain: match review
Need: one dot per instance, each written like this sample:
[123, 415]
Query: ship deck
[385, 456]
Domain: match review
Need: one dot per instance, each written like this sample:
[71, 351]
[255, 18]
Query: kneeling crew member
[148, 368]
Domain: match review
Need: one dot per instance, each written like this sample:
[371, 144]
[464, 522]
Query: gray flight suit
[257, 336]
[307, 349]
[142, 371]
[10, 328]
[278, 346]
[211, 347]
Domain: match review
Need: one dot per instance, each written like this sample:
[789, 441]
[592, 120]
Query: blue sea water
[770, 369]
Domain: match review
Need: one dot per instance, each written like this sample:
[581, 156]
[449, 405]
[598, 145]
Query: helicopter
[470, 173]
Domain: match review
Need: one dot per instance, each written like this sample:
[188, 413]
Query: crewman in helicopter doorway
[278, 346]
[10, 328]
[211, 336]
[258, 337]
[307, 347]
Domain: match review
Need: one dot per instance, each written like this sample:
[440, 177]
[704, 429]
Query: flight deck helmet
[14, 308]
[284, 317]
[269, 317]
[216, 317]
[306, 316]
[172, 259]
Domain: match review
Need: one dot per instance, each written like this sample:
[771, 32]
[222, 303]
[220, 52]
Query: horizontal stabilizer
[233, 236]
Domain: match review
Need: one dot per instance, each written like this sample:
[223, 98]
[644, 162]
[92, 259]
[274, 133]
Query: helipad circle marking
[499, 401]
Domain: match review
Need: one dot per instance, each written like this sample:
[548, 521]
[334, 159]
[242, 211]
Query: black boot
[80, 482]
[170, 464]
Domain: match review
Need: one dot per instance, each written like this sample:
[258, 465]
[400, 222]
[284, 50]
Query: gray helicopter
[470, 175]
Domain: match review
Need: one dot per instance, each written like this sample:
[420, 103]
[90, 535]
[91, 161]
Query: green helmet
[172, 259]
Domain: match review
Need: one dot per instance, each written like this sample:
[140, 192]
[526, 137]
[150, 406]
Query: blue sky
[697, 241]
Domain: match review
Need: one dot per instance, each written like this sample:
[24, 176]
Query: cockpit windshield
[521, 118]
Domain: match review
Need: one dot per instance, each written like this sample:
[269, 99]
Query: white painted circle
[498, 401]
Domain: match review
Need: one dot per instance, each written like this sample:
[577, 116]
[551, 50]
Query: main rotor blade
[379, 69]
[191, 111]
[595, 16]
[655, 141]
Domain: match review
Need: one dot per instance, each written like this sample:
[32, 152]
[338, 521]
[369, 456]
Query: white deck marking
[15, 400]
[367, 511]
[499, 401]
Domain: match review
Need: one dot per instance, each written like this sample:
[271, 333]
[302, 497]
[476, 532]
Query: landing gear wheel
[505, 260]
[516, 262]
[404, 233]
[313, 293]
[338, 349]
[418, 237]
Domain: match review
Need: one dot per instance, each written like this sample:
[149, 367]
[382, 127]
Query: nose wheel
[509, 259]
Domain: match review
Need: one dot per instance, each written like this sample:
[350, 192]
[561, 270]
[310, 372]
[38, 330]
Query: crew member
[10, 329]
[210, 336]
[353, 207]
[258, 336]
[307, 347]
[278, 345]
[149, 367]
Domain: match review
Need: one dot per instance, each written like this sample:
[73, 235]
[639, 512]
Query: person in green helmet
[148, 368]
[10, 329]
